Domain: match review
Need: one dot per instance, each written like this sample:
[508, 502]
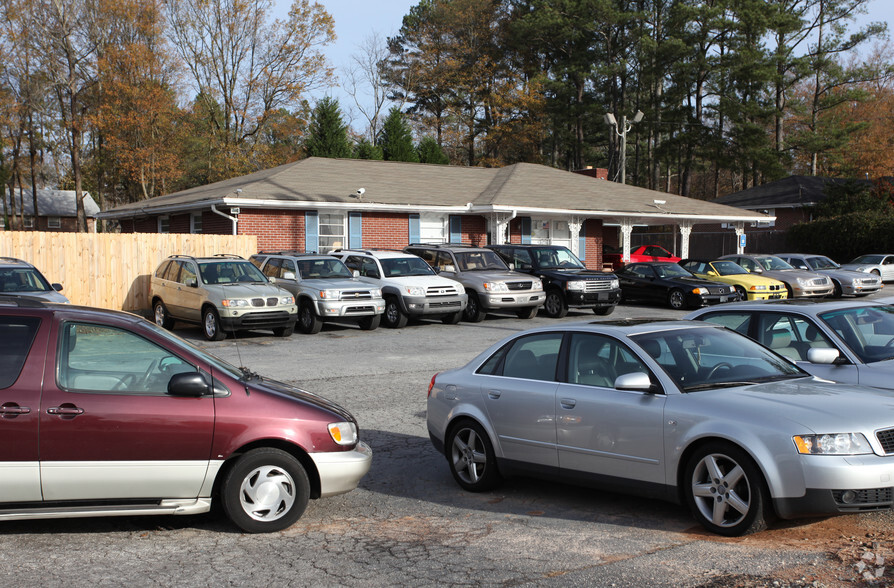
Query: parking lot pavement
[409, 523]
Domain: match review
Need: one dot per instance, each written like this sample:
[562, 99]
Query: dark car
[105, 413]
[567, 281]
[668, 283]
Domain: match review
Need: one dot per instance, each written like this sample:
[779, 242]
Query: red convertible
[641, 253]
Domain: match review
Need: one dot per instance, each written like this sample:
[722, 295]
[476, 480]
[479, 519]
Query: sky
[357, 20]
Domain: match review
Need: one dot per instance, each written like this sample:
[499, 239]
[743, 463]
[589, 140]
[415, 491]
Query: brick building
[56, 211]
[320, 204]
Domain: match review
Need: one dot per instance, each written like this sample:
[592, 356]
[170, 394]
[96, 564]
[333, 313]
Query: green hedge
[846, 236]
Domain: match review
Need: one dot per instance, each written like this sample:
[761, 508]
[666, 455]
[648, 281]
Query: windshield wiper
[710, 385]
[248, 375]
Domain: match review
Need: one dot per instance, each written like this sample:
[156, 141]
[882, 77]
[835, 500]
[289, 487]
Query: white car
[410, 287]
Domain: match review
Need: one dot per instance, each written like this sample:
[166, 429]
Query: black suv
[567, 281]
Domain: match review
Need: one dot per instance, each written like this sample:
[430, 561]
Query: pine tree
[328, 134]
[397, 139]
[430, 152]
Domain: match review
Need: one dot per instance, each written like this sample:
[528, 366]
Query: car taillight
[432, 383]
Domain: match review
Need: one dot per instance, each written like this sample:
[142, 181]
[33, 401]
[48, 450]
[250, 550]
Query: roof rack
[228, 255]
[443, 245]
[292, 252]
[21, 301]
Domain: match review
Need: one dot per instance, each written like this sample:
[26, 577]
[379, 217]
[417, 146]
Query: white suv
[410, 286]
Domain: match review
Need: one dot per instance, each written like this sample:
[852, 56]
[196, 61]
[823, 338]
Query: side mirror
[711, 273]
[191, 283]
[56, 286]
[823, 355]
[448, 268]
[288, 275]
[511, 266]
[188, 384]
[637, 381]
[355, 273]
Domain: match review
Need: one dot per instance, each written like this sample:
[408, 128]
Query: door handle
[11, 410]
[493, 394]
[65, 410]
[568, 403]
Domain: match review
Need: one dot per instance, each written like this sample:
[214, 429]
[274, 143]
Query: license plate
[773, 296]
[724, 298]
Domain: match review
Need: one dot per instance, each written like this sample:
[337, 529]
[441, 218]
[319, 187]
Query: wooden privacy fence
[112, 270]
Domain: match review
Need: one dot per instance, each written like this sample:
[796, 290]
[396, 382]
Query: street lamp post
[621, 131]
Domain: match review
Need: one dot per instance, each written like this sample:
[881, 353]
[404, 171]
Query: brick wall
[594, 242]
[275, 229]
[386, 230]
[474, 230]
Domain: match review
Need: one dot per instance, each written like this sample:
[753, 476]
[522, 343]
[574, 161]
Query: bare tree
[363, 80]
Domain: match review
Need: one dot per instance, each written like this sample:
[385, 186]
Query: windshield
[821, 263]
[671, 270]
[396, 267]
[728, 268]
[706, 358]
[476, 261]
[312, 269]
[771, 262]
[22, 280]
[556, 258]
[868, 259]
[867, 330]
[230, 272]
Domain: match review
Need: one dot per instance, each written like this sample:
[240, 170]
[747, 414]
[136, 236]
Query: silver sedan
[880, 264]
[846, 281]
[682, 411]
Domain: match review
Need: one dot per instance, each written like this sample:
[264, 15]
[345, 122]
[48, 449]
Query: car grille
[865, 497]
[819, 282]
[721, 291]
[267, 318]
[886, 438]
[456, 304]
[776, 287]
[351, 309]
[597, 285]
[869, 281]
[356, 295]
[441, 291]
[519, 285]
[263, 302]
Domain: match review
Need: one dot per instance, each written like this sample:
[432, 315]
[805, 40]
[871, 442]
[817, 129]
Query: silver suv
[410, 286]
[490, 284]
[324, 288]
[221, 293]
[20, 278]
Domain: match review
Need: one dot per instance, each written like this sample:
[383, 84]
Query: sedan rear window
[16, 336]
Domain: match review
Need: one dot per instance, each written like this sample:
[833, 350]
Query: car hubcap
[391, 313]
[267, 493]
[552, 304]
[306, 317]
[210, 325]
[677, 300]
[469, 458]
[721, 490]
[159, 315]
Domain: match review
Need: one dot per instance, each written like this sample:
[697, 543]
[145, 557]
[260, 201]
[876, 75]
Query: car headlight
[857, 282]
[287, 300]
[701, 291]
[330, 294]
[576, 285]
[343, 433]
[759, 287]
[832, 444]
[496, 287]
[234, 303]
[861, 269]
[539, 283]
[415, 291]
[615, 284]
[802, 282]
[377, 293]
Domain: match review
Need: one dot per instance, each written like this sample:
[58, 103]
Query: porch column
[499, 228]
[685, 231]
[626, 231]
[574, 225]
[740, 231]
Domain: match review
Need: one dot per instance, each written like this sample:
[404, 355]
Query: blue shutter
[582, 241]
[311, 231]
[456, 229]
[525, 222]
[414, 229]
[355, 230]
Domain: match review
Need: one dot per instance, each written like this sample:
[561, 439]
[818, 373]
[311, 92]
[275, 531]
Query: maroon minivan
[104, 413]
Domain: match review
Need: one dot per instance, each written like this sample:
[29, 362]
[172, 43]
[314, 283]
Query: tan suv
[221, 293]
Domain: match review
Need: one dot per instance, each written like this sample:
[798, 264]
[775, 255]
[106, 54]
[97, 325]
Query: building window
[28, 222]
[432, 228]
[164, 224]
[54, 222]
[550, 232]
[195, 222]
[332, 231]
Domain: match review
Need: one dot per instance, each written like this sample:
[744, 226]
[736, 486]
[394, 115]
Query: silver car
[850, 342]
[20, 278]
[880, 264]
[845, 281]
[678, 410]
[798, 283]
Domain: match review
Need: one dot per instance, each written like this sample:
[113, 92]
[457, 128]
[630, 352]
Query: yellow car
[749, 286]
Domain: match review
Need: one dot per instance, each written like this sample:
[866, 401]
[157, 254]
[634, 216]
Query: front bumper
[512, 300]
[860, 289]
[697, 300]
[773, 295]
[422, 305]
[237, 320]
[341, 471]
[811, 291]
[349, 308]
[591, 299]
[840, 485]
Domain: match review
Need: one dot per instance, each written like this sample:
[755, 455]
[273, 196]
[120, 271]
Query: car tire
[554, 307]
[603, 310]
[211, 325]
[527, 313]
[473, 312]
[838, 293]
[266, 490]
[676, 299]
[308, 321]
[394, 317]
[725, 490]
[284, 331]
[453, 319]
[471, 457]
[162, 318]
[743, 294]
[370, 323]
[789, 292]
